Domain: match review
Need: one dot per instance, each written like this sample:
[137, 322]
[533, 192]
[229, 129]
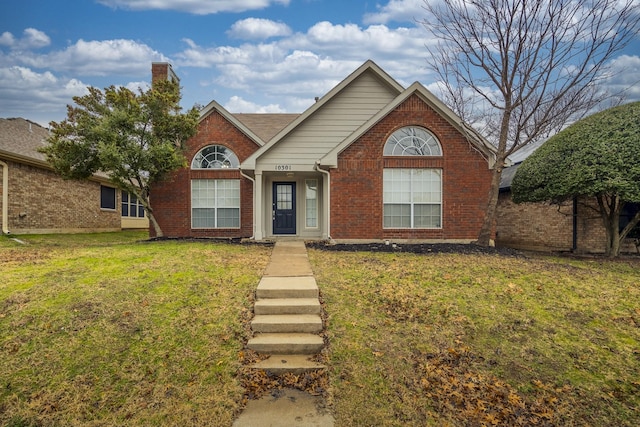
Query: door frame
[291, 213]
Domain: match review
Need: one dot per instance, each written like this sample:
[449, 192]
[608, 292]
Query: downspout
[253, 182]
[574, 242]
[5, 197]
[319, 169]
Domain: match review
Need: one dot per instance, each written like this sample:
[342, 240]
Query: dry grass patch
[103, 330]
[453, 339]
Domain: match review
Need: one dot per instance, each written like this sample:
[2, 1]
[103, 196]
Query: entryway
[284, 208]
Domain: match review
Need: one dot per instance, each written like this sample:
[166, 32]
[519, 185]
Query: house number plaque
[283, 168]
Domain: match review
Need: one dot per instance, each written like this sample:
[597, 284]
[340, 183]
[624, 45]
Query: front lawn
[106, 329]
[103, 330]
[450, 339]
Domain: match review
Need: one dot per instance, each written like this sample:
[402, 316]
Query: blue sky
[248, 55]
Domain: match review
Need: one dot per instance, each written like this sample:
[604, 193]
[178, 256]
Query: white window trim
[316, 208]
[216, 208]
[412, 227]
[231, 156]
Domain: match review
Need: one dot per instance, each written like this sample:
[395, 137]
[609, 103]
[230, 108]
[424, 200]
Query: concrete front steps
[286, 324]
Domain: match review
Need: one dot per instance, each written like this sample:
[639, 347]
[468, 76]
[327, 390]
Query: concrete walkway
[289, 407]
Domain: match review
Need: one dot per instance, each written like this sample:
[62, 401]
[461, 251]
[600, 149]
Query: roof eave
[331, 159]
[214, 106]
[250, 162]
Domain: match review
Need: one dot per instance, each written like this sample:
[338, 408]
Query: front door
[284, 208]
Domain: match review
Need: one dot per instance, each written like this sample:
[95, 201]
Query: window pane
[284, 197]
[203, 218]
[412, 190]
[140, 211]
[215, 203]
[215, 157]
[426, 216]
[107, 197]
[228, 218]
[397, 216]
[412, 141]
[311, 197]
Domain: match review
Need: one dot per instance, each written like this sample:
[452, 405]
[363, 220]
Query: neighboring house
[574, 226]
[370, 160]
[34, 199]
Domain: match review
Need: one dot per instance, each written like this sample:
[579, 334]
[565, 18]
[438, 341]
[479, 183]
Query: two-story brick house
[370, 160]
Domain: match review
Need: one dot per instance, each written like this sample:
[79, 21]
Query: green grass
[102, 330]
[472, 340]
[106, 329]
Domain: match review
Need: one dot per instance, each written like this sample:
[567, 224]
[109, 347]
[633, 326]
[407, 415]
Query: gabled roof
[480, 143]
[368, 66]
[214, 106]
[266, 126]
[20, 140]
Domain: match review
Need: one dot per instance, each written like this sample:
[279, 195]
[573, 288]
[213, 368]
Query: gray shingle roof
[20, 139]
[265, 126]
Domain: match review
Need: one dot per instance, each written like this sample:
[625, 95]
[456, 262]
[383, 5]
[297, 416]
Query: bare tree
[523, 69]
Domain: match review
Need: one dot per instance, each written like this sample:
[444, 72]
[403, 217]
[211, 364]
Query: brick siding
[534, 226]
[547, 227]
[40, 201]
[171, 199]
[356, 185]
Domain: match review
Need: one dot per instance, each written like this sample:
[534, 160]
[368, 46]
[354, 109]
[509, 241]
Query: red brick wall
[40, 201]
[356, 185]
[171, 200]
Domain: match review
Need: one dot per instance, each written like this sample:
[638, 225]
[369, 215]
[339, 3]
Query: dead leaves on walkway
[257, 382]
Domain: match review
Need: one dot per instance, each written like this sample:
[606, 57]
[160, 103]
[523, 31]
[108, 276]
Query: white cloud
[198, 7]
[95, 58]
[309, 64]
[624, 78]
[32, 39]
[29, 94]
[7, 39]
[397, 10]
[238, 105]
[258, 29]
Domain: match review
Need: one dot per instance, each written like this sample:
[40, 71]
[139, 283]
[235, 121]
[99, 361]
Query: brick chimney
[163, 71]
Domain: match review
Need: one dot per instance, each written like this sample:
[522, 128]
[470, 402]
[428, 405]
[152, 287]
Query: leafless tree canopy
[529, 65]
[521, 70]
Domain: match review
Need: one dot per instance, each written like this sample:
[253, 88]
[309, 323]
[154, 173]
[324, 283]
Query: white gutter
[328, 210]
[5, 197]
[253, 181]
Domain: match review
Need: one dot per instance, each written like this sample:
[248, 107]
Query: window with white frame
[412, 198]
[215, 157]
[131, 205]
[412, 141]
[311, 199]
[215, 203]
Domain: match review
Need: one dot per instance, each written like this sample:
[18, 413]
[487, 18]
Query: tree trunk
[156, 227]
[610, 213]
[484, 237]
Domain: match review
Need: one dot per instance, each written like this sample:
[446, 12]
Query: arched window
[215, 157]
[412, 141]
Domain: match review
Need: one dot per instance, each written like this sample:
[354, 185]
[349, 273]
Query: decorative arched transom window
[412, 141]
[215, 157]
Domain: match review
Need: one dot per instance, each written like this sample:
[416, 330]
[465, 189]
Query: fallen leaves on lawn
[476, 399]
